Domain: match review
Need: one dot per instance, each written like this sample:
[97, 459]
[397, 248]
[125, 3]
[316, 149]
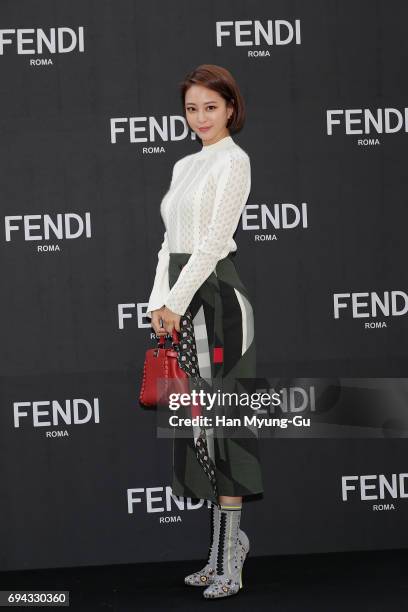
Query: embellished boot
[205, 576]
[230, 555]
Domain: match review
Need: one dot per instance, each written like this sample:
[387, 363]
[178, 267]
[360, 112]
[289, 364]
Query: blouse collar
[220, 144]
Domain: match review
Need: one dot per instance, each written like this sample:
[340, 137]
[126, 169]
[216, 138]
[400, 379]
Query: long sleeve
[233, 184]
[161, 280]
[161, 286]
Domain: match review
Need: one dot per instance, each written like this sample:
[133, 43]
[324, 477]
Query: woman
[198, 292]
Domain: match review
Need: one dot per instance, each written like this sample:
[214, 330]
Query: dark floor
[363, 582]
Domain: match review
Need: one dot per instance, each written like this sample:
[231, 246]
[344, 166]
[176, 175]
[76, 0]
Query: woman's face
[207, 113]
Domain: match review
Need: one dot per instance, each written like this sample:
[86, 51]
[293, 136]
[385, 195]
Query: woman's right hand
[156, 322]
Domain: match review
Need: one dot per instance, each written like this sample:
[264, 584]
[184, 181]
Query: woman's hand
[170, 320]
[156, 323]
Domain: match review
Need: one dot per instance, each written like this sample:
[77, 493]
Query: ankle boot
[231, 555]
[205, 576]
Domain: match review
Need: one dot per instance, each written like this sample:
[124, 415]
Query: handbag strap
[175, 340]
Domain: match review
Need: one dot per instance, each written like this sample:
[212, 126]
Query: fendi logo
[47, 228]
[37, 41]
[278, 216]
[291, 400]
[151, 132]
[55, 413]
[352, 121]
[370, 487]
[256, 33]
[159, 500]
[262, 219]
[370, 305]
[131, 310]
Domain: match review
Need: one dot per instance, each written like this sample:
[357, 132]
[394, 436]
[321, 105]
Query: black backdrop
[89, 133]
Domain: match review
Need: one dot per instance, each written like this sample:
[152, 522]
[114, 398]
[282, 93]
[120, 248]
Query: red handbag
[162, 374]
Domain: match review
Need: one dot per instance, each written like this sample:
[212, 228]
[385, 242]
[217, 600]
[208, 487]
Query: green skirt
[219, 325]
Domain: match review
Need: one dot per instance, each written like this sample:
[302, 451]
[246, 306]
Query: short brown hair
[220, 80]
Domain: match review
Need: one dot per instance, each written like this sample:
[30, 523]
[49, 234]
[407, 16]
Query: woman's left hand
[170, 320]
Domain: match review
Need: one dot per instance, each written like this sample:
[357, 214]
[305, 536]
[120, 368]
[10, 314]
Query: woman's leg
[232, 548]
[206, 575]
[225, 500]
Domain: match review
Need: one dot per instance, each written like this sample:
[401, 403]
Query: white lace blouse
[200, 211]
